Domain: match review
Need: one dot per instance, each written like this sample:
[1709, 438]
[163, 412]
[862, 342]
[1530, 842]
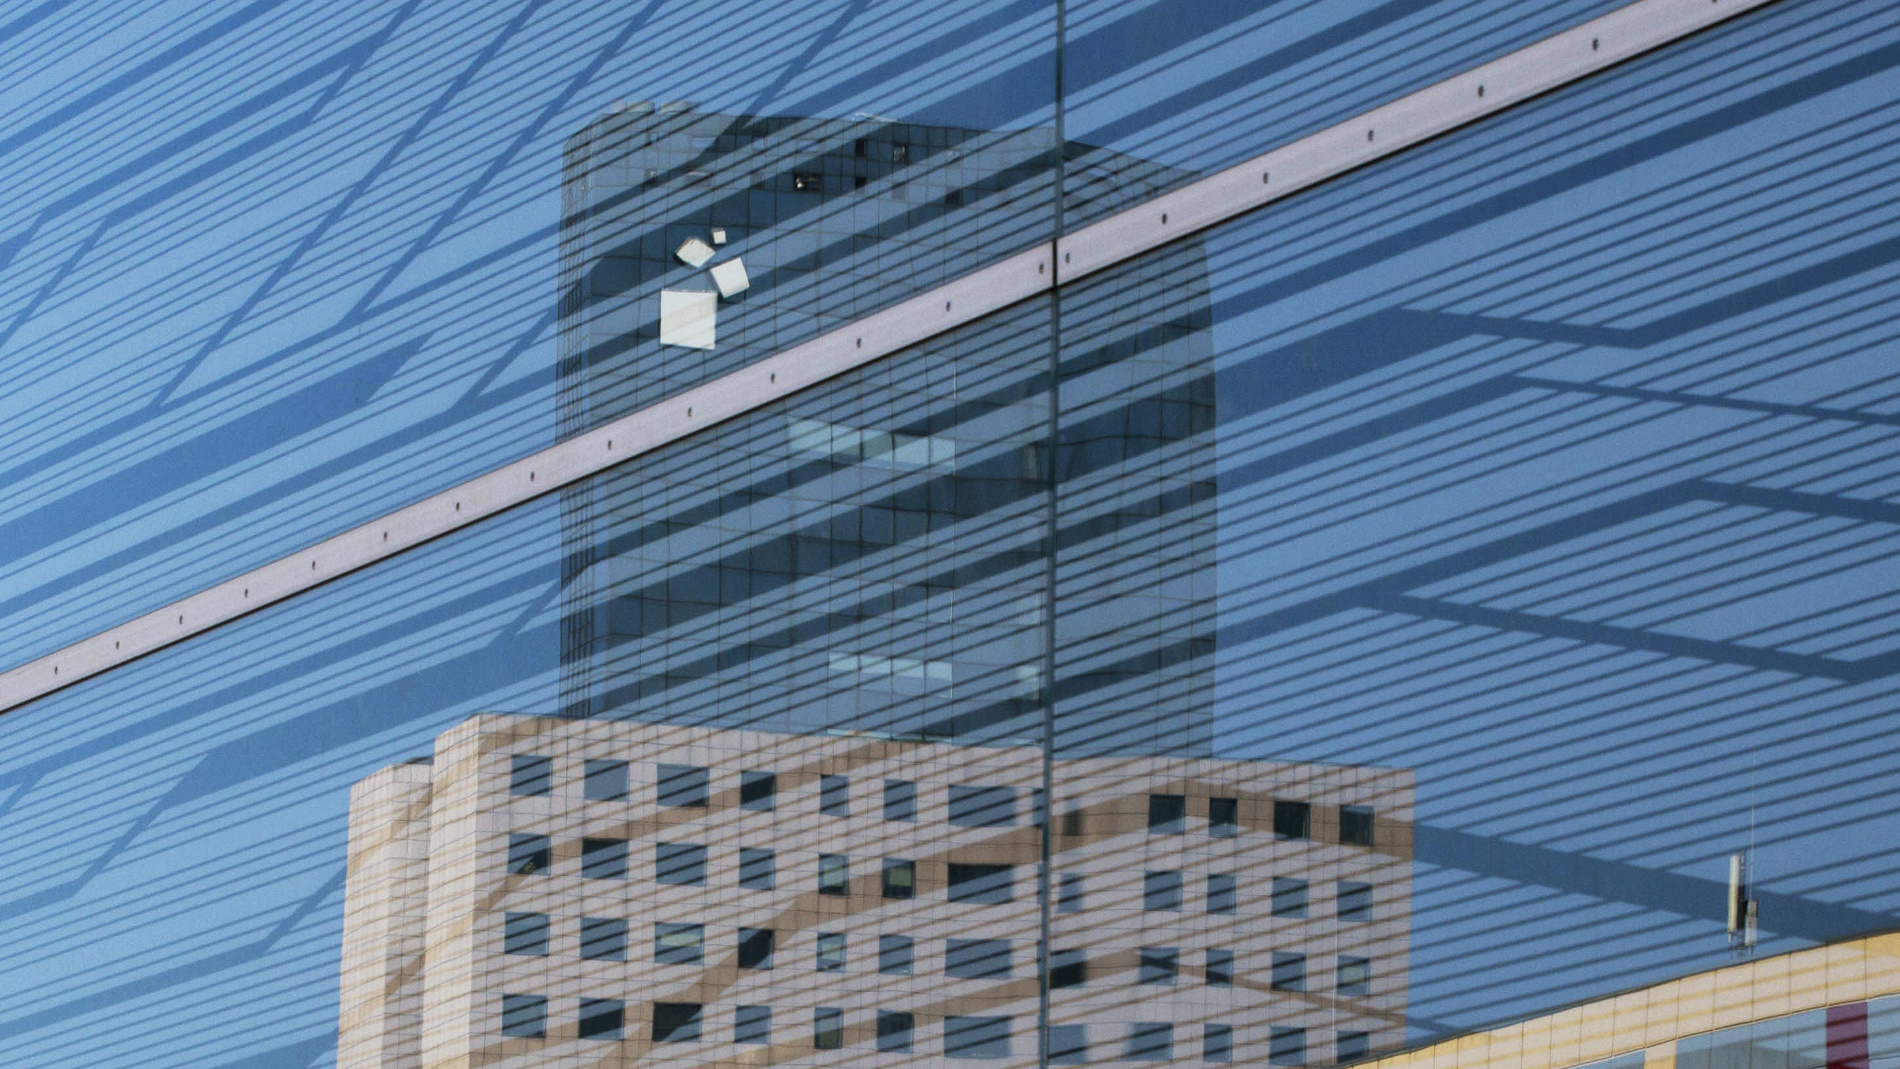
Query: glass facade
[1451, 593]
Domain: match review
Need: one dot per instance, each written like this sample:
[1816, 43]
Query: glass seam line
[1383, 131]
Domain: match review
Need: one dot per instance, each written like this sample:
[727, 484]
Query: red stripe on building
[1847, 1036]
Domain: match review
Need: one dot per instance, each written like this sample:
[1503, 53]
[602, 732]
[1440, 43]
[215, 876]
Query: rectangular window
[758, 791]
[982, 884]
[528, 854]
[1289, 971]
[900, 800]
[1069, 893]
[676, 1022]
[1286, 1046]
[1354, 976]
[679, 863]
[525, 933]
[530, 774]
[1217, 1043]
[834, 874]
[1149, 1041]
[893, 1031]
[1068, 968]
[900, 878]
[895, 954]
[1355, 825]
[1289, 897]
[834, 796]
[603, 939]
[605, 781]
[1293, 820]
[1223, 892]
[827, 1028]
[604, 859]
[755, 948]
[1161, 891]
[1220, 968]
[976, 1037]
[1353, 1046]
[1159, 965]
[758, 869]
[1223, 817]
[752, 1024]
[976, 959]
[1355, 901]
[1167, 814]
[524, 1016]
[602, 1018]
[1068, 1044]
[830, 952]
[682, 786]
[679, 944]
[982, 807]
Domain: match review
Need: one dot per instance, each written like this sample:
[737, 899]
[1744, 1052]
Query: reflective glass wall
[1375, 618]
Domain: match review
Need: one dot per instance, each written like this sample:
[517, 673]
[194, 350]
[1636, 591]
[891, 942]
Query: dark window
[602, 1018]
[528, 854]
[834, 796]
[900, 878]
[682, 785]
[986, 884]
[827, 1028]
[1289, 971]
[1222, 894]
[1223, 817]
[900, 800]
[1167, 814]
[604, 859]
[1072, 823]
[1068, 1044]
[1354, 1045]
[605, 781]
[1355, 976]
[524, 1016]
[1217, 1043]
[976, 959]
[1159, 965]
[603, 939]
[900, 153]
[893, 1031]
[1068, 968]
[676, 1022]
[982, 807]
[1355, 901]
[681, 863]
[755, 948]
[758, 869]
[830, 952]
[525, 933]
[1220, 968]
[1149, 1041]
[752, 1024]
[894, 955]
[1161, 890]
[679, 944]
[1355, 825]
[531, 775]
[834, 874]
[1069, 893]
[758, 790]
[1289, 897]
[976, 1037]
[1293, 820]
[1286, 1046]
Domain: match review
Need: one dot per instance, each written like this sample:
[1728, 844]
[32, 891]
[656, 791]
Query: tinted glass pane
[525, 933]
[676, 1022]
[900, 800]
[758, 790]
[982, 807]
[976, 1037]
[603, 939]
[976, 959]
[1167, 813]
[601, 1018]
[682, 785]
[530, 775]
[607, 781]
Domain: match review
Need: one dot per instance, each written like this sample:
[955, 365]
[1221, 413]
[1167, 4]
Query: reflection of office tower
[905, 585]
[607, 892]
